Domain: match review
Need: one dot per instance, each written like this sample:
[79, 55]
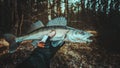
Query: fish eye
[82, 32]
[78, 39]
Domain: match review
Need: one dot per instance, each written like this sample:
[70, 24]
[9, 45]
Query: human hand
[48, 47]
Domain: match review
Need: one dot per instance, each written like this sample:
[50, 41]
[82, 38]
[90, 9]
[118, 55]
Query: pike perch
[63, 32]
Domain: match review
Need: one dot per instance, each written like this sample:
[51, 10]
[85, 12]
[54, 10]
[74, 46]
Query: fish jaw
[78, 36]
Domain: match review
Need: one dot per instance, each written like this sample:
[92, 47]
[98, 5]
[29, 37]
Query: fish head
[79, 36]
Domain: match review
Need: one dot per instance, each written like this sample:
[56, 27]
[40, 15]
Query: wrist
[45, 37]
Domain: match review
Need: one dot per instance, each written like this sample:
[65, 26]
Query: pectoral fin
[57, 43]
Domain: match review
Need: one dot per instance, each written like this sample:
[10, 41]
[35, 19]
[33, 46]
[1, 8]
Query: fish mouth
[93, 32]
[90, 39]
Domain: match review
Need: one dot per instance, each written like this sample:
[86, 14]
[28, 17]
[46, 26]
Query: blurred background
[100, 16]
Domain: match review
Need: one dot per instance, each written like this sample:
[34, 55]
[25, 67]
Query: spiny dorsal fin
[61, 21]
[35, 26]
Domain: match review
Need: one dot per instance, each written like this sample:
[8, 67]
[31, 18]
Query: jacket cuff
[45, 37]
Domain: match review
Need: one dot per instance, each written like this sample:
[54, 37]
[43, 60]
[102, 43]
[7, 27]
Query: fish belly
[60, 34]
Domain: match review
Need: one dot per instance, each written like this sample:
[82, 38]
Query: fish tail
[13, 44]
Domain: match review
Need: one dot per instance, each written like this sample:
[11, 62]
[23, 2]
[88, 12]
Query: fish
[59, 24]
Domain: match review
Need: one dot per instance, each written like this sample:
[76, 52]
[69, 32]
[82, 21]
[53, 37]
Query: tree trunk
[66, 9]
[49, 10]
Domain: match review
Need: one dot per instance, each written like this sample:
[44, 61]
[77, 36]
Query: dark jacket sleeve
[36, 60]
[40, 58]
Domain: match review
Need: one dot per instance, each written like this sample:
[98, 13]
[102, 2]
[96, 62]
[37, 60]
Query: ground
[71, 55]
